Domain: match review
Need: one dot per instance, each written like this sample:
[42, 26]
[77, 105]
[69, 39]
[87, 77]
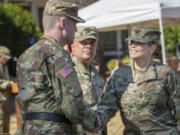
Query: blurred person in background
[31, 40]
[173, 62]
[5, 85]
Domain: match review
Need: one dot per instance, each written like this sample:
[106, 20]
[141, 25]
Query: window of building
[108, 40]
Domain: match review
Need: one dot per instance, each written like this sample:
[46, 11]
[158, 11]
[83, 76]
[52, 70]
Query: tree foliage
[172, 37]
[15, 23]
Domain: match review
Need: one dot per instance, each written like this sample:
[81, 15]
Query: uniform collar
[51, 40]
[151, 72]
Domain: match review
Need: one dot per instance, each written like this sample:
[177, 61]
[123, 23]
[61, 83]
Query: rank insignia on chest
[66, 71]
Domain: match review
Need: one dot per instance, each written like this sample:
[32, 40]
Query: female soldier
[147, 91]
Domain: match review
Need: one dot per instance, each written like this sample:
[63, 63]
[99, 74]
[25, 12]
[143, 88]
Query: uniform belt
[46, 116]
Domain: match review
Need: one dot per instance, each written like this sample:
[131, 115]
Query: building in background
[36, 7]
[114, 44]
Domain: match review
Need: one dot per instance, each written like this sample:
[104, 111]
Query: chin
[135, 57]
[87, 58]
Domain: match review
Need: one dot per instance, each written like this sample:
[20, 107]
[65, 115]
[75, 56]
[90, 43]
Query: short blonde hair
[50, 22]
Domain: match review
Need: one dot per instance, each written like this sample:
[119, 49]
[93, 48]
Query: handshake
[14, 87]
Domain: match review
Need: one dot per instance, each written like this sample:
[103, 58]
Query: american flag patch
[66, 71]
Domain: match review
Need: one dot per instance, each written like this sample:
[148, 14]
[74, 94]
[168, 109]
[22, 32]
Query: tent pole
[129, 33]
[118, 43]
[162, 35]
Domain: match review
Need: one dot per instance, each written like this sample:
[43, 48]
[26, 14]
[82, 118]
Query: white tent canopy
[108, 15]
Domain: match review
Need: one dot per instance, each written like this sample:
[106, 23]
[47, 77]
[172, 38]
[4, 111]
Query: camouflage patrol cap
[84, 33]
[5, 52]
[144, 35]
[62, 8]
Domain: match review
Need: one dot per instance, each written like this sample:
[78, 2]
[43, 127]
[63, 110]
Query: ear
[153, 48]
[61, 22]
[74, 45]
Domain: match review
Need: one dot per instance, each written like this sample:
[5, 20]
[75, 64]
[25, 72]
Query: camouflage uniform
[90, 81]
[48, 83]
[89, 78]
[149, 101]
[4, 85]
[91, 84]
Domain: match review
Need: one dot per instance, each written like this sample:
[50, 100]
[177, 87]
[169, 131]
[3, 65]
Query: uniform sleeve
[174, 99]
[71, 98]
[109, 102]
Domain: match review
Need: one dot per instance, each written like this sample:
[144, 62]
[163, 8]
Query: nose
[89, 45]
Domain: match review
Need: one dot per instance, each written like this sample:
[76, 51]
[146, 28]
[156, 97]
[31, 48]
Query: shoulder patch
[66, 71]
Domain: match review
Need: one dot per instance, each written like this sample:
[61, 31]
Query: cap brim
[135, 39]
[77, 19]
[88, 37]
[7, 57]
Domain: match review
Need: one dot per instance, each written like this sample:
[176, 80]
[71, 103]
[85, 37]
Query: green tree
[15, 23]
[172, 37]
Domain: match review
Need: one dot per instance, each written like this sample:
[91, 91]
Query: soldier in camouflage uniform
[5, 83]
[147, 92]
[83, 52]
[50, 98]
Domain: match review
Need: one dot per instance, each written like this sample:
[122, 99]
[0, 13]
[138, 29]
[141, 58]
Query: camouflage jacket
[148, 101]
[4, 81]
[48, 82]
[91, 84]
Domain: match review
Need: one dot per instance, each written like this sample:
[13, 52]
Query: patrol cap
[62, 8]
[144, 35]
[5, 52]
[84, 33]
